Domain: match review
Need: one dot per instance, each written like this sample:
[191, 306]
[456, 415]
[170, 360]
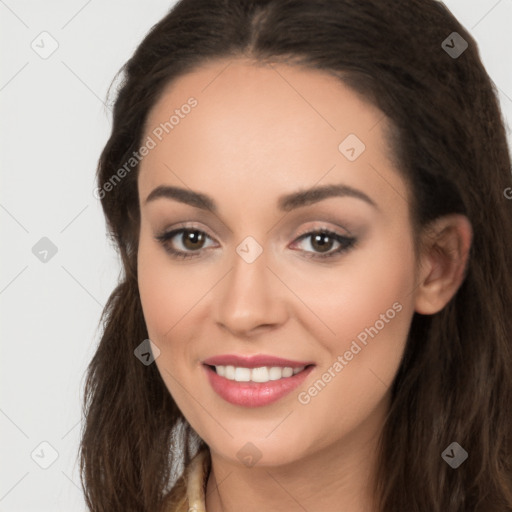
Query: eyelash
[346, 243]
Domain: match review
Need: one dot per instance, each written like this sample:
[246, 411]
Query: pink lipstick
[254, 381]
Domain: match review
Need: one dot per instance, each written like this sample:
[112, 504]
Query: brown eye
[322, 242]
[183, 243]
[192, 239]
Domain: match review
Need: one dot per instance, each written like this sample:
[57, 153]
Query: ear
[445, 245]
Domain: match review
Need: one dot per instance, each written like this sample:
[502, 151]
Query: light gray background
[54, 124]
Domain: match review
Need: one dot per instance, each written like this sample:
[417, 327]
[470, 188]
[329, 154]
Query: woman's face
[261, 275]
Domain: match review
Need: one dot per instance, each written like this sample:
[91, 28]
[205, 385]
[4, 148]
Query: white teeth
[261, 374]
[242, 374]
[229, 372]
[275, 373]
[287, 371]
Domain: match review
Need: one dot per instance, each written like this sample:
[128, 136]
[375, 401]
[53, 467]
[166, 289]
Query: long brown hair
[455, 380]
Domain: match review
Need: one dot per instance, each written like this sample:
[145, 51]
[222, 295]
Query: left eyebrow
[285, 203]
[316, 194]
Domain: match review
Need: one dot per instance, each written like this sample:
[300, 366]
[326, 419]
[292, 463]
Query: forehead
[264, 127]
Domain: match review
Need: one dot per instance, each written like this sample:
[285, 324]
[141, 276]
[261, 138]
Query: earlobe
[444, 256]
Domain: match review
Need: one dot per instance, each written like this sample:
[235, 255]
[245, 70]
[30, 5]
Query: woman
[310, 203]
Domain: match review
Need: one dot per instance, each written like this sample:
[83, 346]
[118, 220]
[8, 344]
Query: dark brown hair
[455, 380]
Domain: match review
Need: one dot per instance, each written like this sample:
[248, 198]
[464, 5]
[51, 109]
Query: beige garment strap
[197, 474]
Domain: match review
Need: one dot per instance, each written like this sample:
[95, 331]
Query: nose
[250, 298]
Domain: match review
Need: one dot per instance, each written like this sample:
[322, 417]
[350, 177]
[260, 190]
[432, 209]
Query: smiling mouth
[258, 375]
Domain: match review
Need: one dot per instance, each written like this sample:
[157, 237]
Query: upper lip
[255, 361]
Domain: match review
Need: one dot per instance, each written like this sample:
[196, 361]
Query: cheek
[162, 291]
[351, 296]
[167, 290]
[165, 300]
[155, 293]
[365, 310]
[368, 308]
[172, 297]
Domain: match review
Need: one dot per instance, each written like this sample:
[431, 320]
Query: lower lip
[254, 394]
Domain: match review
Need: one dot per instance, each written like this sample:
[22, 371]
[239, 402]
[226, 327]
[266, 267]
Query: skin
[259, 132]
